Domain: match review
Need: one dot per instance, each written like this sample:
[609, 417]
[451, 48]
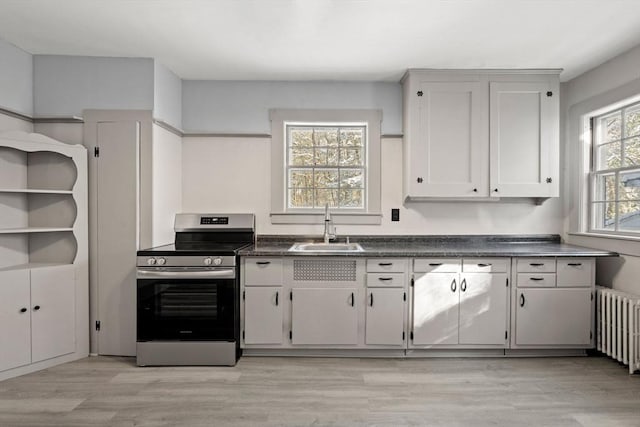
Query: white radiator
[618, 326]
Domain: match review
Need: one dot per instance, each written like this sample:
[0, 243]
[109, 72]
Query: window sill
[318, 218]
[626, 245]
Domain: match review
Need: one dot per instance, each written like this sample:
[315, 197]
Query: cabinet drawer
[536, 265]
[485, 265]
[575, 272]
[263, 271]
[379, 265]
[536, 280]
[385, 279]
[439, 265]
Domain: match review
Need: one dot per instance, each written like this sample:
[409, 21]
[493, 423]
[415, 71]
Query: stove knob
[151, 261]
[162, 261]
[207, 261]
[217, 261]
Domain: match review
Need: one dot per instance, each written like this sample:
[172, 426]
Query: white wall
[16, 79]
[166, 184]
[233, 175]
[610, 82]
[167, 99]
[67, 85]
[243, 106]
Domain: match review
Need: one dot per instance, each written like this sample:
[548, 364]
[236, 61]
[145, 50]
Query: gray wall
[243, 106]
[66, 85]
[16, 79]
[167, 100]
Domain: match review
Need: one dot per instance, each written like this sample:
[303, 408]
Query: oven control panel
[186, 261]
[214, 220]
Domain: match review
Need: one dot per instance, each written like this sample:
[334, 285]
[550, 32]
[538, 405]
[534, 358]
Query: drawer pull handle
[574, 264]
[521, 300]
[263, 262]
[536, 279]
[453, 285]
[277, 298]
[385, 279]
[484, 265]
[463, 285]
[371, 299]
[385, 264]
[434, 264]
[536, 264]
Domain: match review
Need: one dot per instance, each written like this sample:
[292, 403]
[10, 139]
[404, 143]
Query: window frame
[280, 212]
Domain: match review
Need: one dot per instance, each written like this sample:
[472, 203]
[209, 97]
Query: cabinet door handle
[521, 300]
[536, 264]
[463, 285]
[371, 299]
[277, 298]
[453, 285]
[434, 264]
[385, 264]
[23, 310]
[484, 265]
[574, 264]
[536, 279]
[263, 262]
[353, 299]
[36, 308]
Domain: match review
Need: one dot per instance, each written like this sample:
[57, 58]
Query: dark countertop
[433, 246]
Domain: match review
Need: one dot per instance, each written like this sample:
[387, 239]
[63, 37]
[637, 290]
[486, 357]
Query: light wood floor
[108, 391]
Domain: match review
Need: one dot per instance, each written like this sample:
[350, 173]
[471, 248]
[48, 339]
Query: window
[326, 166]
[615, 171]
[325, 157]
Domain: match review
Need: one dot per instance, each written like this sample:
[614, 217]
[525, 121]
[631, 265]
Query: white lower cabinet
[263, 315]
[324, 316]
[385, 316]
[37, 315]
[483, 309]
[435, 309]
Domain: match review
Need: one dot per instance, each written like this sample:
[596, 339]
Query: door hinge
[413, 281]
[243, 335]
[411, 335]
[244, 295]
[403, 335]
[505, 335]
[507, 282]
[591, 296]
[290, 295]
[97, 325]
[96, 151]
[404, 296]
[291, 335]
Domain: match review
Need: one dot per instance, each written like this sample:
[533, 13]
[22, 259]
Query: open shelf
[33, 230]
[34, 191]
[33, 265]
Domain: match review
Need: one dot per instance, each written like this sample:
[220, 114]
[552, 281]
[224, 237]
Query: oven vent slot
[326, 270]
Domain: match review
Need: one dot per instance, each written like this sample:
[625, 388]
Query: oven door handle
[227, 273]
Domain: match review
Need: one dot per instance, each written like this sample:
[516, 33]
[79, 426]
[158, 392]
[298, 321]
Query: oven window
[187, 301]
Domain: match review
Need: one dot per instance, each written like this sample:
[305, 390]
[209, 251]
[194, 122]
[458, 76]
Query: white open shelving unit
[43, 253]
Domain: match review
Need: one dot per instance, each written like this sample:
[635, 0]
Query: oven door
[187, 305]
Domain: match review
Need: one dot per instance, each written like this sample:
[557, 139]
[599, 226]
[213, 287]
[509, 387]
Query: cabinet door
[555, 317]
[483, 308]
[435, 309]
[324, 316]
[15, 319]
[450, 157]
[52, 312]
[385, 316]
[524, 139]
[263, 315]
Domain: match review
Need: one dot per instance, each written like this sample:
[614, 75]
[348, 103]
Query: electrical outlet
[395, 214]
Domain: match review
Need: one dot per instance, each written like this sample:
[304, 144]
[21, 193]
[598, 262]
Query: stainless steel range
[188, 292]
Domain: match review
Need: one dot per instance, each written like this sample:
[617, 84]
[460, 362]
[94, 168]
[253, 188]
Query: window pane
[610, 127]
[604, 216]
[301, 157]
[351, 198]
[632, 152]
[351, 178]
[300, 198]
[299, 178]
[326, 196]
[608, 156]
[326, 157]
[326, 178]
[629, 186]
[324, 137]
[301, 137]
[351, 157]
[605, 188]
[352, 137]
[629, 216]
[632, 121]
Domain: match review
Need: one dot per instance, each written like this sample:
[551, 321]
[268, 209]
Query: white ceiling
[328, 39]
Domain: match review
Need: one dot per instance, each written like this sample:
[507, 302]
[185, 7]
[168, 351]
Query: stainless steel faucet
[328, 236]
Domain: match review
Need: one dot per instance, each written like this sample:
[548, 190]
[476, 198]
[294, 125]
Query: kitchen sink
[326, 247]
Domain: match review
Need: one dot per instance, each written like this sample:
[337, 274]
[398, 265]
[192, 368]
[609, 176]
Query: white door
[553, 317]
[435, 309]
[263, 315]
[385, 316]
[524, 139]
[117, 235]
[483, 308]
[53, 315]
[15, 319]
[450, 159]
[324, 316]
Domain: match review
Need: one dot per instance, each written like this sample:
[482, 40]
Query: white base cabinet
[385, 316]
[263, 315]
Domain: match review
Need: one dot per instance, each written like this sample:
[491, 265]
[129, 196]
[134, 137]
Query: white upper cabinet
[472, 134]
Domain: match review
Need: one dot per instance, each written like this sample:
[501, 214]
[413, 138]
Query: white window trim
[279, 213]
